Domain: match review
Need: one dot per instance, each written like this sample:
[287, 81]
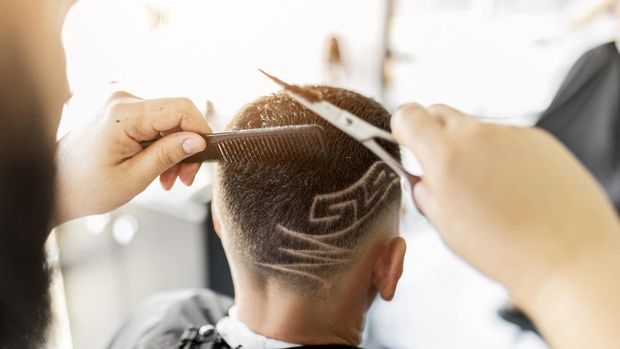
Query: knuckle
[116, 109]
[410, 109]
[448, 115]
[118, 104]
[166, 156]
[440, 109]
[120, 95]
[438, 106]
[184, 102]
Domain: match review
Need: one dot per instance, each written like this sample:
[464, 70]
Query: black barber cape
[585, 113]
[164, 320]
[160, 321]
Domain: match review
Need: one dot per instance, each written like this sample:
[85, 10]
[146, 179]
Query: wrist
[72, 174]
[62, 212]
[578, 298]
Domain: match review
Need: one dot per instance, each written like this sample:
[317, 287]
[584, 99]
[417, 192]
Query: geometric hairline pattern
[340, 213]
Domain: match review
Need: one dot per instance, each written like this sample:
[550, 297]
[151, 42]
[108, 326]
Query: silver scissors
[364, 132]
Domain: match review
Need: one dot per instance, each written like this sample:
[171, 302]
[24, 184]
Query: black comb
[270, 144]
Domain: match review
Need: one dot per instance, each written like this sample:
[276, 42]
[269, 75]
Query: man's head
[314, 227]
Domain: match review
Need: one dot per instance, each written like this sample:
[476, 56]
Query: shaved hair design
[346, 208]
[343, 211]
[303, 221]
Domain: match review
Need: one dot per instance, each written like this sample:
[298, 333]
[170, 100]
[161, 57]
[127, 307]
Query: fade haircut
[302, 221]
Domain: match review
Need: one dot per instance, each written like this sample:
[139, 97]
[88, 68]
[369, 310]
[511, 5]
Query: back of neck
[303, 319]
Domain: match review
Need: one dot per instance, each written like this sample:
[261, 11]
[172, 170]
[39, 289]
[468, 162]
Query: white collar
[238, 335]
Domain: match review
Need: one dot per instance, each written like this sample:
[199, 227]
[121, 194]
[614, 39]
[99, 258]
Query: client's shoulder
[160, 320]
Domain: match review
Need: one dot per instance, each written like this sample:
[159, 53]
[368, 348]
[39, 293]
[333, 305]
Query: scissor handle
[412, 180]
[409, 180]
[382, 154]
[385, 135]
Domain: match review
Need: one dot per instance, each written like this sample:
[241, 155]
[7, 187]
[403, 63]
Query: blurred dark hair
[26, 205]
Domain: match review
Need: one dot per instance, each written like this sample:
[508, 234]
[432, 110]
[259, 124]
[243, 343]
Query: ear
[389, 267]
[215, 217]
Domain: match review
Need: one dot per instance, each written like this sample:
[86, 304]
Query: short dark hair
[302, 220]
[26, 204]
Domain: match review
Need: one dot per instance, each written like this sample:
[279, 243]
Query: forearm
[517, 205]
[579, 307]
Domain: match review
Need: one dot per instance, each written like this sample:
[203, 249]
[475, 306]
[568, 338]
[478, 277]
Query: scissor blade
[345, 121]
[308, 95]
[330, 113]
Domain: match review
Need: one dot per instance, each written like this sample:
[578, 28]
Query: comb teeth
[272, 148]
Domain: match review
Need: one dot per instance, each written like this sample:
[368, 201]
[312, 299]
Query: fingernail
[403, 115]
[409, 108]
[190, 146]
[398, 114]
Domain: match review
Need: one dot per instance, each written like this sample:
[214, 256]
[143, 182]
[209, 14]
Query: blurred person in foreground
[511, 201]
[94, 169]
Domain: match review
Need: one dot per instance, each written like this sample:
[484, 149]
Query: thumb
[165, 153]
[427, 202]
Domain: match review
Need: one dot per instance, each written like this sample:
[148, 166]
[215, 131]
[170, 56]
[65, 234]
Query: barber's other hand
[102, 165]
[514, 203]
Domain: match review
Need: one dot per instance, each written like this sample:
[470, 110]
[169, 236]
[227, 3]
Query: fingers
[166, 153]
[168, 177]
[119, 95]
[425, 201]
[176, 122]
[187, 173]
[415, 128]
[424, 131]
[447, 114]
[168, 113]
[144, 120]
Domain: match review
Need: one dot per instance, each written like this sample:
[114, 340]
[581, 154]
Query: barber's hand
[102, 166]
[514, 203]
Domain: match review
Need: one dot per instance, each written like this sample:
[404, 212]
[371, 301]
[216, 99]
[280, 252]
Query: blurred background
[501, 60]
